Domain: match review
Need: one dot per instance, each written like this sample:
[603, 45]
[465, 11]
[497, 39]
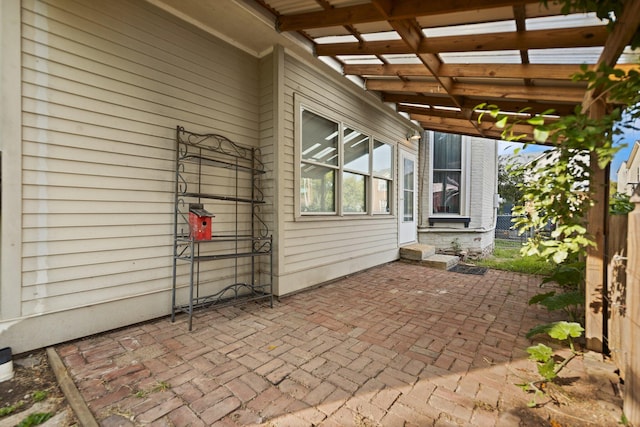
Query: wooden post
[632, 371]
[626, 25]
[595, 281]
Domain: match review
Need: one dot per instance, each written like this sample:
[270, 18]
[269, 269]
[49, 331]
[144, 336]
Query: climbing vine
[605, 10]
[556, 195]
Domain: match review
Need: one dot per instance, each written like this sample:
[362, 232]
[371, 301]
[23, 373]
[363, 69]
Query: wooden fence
[630, 324]
[618, 321]
[623, 324]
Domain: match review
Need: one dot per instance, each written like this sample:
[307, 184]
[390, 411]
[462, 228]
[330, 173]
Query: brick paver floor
[398, 344]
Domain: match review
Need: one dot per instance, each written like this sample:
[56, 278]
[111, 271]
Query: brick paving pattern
[395, 345]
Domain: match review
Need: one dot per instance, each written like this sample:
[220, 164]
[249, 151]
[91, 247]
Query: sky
[627, 139]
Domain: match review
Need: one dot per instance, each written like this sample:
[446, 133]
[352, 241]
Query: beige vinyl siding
[317, 249]
[104, 86]
[127, 48]
[269, 155]
[11, 170]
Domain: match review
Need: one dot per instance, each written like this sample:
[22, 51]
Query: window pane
[382, 159]
[319, 139]
[381, 196]
[356, 150]
[354, 190]
[446, 192]
[317, 189]
[407, 189]
[408, 206]
[447, 150]
[408, 174]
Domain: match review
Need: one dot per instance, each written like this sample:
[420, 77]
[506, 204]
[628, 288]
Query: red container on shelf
[200, 222]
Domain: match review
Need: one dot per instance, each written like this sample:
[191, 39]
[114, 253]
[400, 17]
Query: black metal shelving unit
[198, 157]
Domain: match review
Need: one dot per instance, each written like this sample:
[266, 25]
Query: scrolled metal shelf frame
[217, 151]
[219, 144]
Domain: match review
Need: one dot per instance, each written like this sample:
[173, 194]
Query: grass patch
[506, 256]
[35, 419]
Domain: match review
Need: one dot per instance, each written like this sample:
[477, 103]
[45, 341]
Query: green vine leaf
[540, 135]
[536, 121]
[547, 370]
[559, 256]
[541, 297]
[563, 300]
[539, 329]
[563, 330]
[540, 353]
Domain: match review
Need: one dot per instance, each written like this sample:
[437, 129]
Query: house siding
[484, 181]
[104, 85]
[269, 152]
[11, 145]
[628, 175]
[313, 249]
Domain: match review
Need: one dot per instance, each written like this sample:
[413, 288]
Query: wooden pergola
[438, 60]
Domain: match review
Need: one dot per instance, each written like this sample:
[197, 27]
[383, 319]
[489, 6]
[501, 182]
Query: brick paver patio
[399, 344]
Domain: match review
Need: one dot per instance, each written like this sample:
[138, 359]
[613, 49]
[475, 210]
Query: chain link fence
[505, 231]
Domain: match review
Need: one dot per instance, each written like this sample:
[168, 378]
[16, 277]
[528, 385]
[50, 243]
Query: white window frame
[465, 179]
[339, 213]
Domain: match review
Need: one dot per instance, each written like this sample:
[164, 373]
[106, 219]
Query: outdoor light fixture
[413, 135]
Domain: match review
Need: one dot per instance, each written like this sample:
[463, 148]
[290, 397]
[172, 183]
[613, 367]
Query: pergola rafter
[401, 48]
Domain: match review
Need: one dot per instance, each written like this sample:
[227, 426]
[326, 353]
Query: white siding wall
[477, 239]
[632, 169]
[104, 85]
[622, 178]
[313, 250]
[483, 183]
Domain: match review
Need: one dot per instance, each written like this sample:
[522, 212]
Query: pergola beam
[571, 95]
[396, 10]
[457, 114]
[469, 103]
[540, 39]
[413, 37]
[464, 126]
[493, 71]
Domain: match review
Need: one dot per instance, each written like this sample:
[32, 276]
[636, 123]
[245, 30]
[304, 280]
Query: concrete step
[442, 262]
[426, 255]
[417, 252]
